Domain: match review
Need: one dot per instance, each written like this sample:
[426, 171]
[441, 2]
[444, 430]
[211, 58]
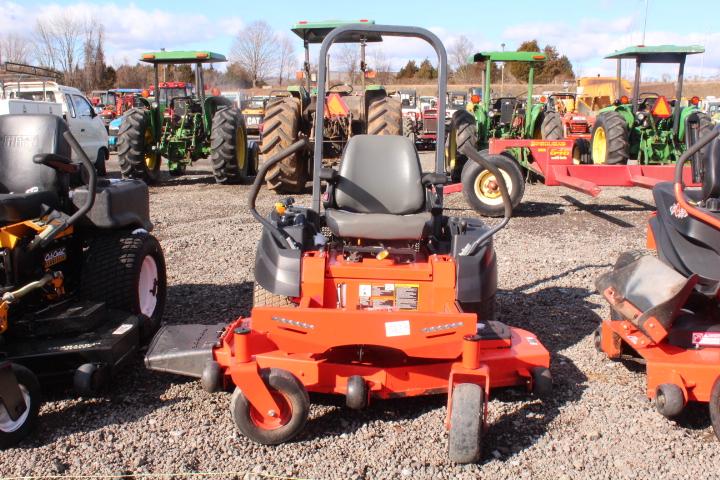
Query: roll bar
[385, 30]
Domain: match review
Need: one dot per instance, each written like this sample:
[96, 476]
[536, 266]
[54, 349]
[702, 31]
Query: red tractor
[577, 124]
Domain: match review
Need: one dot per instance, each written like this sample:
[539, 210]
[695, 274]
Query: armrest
[435, 179]
[58, 162]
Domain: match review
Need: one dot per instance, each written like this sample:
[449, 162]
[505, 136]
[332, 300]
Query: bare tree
[14, 48]
[459, 52]
[380, 64]
[59, 41]
[286, 59]
[349, 61]
[256, 50]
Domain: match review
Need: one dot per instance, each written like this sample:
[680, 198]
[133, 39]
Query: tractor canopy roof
[315, 32]
[658, 53]
[507, 57]
[182, 56]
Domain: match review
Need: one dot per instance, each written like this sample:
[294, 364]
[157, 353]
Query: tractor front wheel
[610, 139]
[228, 144]
[463, 131]
[385, 117]
[281, 128]
[12, 431]
[482, 190]
[466, 423]
[136, 143]
[551, 127]
[273, 428]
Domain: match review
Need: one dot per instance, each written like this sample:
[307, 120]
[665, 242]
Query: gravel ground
[599, 424]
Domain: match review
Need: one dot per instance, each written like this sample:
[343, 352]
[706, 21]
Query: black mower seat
[379, 193]
[17, 207]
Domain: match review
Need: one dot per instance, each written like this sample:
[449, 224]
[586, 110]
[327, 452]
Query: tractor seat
[379, 193]
[28, 188]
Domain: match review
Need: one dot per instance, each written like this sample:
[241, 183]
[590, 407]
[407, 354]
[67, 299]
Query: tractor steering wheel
[648, 95]
[347, 89]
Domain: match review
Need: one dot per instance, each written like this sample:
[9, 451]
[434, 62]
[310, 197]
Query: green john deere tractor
[183, 128]
[348, 113]
[648, 128]
[499, 117]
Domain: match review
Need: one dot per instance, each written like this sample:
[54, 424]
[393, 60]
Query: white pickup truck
[69, 103]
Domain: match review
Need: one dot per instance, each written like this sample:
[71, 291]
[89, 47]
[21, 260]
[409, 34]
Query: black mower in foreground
[82, 282]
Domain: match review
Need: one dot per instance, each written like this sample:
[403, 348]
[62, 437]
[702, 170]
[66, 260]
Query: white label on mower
[633, 339]
[532, 340]
[365, 291]
[122, 329]
[706, 339]
[397, 329]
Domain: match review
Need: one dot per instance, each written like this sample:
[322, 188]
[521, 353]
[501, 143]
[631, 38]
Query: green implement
[182, 57]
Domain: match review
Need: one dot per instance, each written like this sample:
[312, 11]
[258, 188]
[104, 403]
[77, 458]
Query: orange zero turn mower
[371, 293]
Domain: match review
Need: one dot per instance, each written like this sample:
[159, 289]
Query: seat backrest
[711, 170]
[21, 138]
[380, 174]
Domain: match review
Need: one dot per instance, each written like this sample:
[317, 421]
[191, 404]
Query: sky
[583, 30]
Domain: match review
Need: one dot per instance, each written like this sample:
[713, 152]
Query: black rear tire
[287, 389]
[551, 127]
[135, 142]
[11, 432]
[714, 406]
[385, 117]
[466, 423]
[281, 129]
[616, 138]
[463, 131]
[581, 152]
[228, 143]
[486, 201]
[409, 129]
[127, 271]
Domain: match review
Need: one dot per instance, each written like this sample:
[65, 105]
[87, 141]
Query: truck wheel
[610, 139]
[294, 402]
[481, 190]
[409, 129]
[135, 143]
[127, 272]
[714, 406]
[466, 423]
[551, 127]
[385, 117]
[228, 144]
[463, 131]
[280, 130]
[12, 431]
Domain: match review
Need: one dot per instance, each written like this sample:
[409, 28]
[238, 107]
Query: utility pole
[502, 73]
[647, 4]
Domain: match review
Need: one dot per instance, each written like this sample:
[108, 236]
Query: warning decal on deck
[388, 296]
[400, 328]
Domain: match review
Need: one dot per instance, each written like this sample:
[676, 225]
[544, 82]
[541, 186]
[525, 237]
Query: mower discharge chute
[666, 309]
[291, 117]
[183, 126]
[370, 293]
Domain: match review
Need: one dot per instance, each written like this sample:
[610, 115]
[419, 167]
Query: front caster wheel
[12, 431]
[273, 428]
[669, 400]
[89, 379]
[541, 382]
[466, 423]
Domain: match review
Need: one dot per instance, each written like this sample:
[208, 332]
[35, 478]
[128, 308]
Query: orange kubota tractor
[666, 309]
[370, 293]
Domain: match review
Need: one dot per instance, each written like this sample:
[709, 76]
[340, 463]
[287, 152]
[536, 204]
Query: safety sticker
[406, 296]
[706, 339]
[388, 296]
[397, 329]
[122, 329]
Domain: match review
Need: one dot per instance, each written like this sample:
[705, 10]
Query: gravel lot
[599, 424]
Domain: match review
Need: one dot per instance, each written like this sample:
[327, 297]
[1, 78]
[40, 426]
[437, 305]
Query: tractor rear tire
[704, 126]
[135, 156]
[281, 129]
[265, 298]
[385, 117]
[463, 131]
[409, 129]
[228, 144]
[466, 423]
[551, 127]
[610, 143]
[127, 271]
[11, 432]
[475, 180]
